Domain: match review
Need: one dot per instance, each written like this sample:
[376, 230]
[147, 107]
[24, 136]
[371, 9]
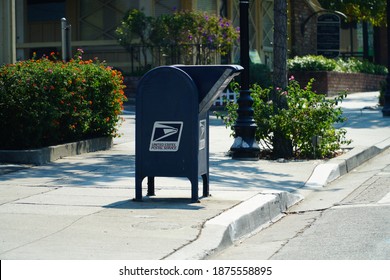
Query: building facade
[34, 26]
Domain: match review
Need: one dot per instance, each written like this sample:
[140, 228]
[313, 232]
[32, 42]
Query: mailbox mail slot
[172, 123]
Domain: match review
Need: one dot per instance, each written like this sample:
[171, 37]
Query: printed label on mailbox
[202, 134]
[166, 136]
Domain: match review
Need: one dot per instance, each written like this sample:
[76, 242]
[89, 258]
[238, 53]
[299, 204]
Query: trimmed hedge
[320, 63]
[47, 102]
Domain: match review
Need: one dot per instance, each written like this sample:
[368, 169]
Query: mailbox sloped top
[165, 91]
[165, 80]
[210, 80]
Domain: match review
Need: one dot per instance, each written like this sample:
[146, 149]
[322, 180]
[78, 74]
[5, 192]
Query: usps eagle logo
[166, 136]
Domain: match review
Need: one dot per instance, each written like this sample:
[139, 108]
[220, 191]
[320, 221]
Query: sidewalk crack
[302, 230]
[51, 234]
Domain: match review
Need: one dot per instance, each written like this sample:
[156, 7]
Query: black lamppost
[386, 106]
[245, 145]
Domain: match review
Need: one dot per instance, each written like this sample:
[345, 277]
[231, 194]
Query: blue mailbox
[172, 123]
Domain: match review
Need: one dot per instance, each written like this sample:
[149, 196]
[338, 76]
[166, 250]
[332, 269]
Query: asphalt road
[347, 220]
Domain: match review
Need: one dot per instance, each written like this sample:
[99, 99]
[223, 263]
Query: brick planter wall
[332, 83]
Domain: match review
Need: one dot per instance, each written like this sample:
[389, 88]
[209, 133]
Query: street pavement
[82, 207]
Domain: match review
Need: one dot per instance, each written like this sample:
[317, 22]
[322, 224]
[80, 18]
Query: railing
[351, 54]
[225, 97]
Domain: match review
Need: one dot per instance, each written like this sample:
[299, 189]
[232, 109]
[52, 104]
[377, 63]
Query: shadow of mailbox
[172, 123]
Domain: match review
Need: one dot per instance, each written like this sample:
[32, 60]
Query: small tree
[135, 29]
[366, 11]
[135, 26]
[282, 144]
[373, 11]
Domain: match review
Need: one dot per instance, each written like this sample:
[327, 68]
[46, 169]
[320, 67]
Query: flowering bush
[194, 35]
[45, 102]
[197, 28]
[309, 117]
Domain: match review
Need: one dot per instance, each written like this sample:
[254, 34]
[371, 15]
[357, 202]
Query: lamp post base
[245, 149]
[245, 146]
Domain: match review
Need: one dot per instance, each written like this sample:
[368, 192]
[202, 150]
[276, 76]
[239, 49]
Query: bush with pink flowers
[309, 120]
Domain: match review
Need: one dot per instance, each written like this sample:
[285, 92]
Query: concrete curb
[53, 153]
[263, 209]
[337, 167]
[249, 216]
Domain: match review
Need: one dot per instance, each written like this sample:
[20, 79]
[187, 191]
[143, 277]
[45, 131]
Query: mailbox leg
[138, 189]
[194, 190]
[151, 186]
[205, 178]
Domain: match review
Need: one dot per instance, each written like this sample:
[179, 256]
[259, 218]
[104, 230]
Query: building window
[268, 23]
[99, 19]
[209, 6]
[45, 10]
[166, 7]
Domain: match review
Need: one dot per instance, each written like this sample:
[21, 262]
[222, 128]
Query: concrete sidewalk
[81, 207]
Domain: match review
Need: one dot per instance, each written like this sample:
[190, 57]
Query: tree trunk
[282, 147]
[365, 41]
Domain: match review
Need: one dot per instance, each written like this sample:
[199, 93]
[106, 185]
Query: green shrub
[46, 102]
[308, 116]
[320, 63]
[311, 63]
[354, 65]
[259, 74]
